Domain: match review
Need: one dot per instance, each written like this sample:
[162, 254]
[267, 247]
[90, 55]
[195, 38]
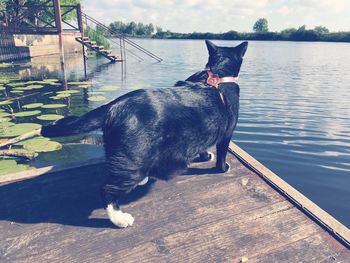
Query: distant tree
[303, 34]
[159, 29]
[302, 28]
[131, 28]
[118, 26]
[288, 31]
[261, 26]
[149, 29]
[11, 11]
[321, 30]
[140, 29]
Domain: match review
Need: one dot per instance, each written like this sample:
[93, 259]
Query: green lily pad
[11, 166]
[52, 83]
[16, 91]
[6, 124]
[84, 86]
[96, 93]
[71, 91]
[32, 105]
[35, 86]
[16, 84]
[109, 88]
[4, 114]
[79, 83]
[18, 129]
[97, 98]
[60, 96]
[27, 113]
[2, 88]
[2, 119]
[63, 95]
[50, 80]
[40, 145]
[4, 81]
[5, 102]
[50, 117]
[6, 65]
[53, 106]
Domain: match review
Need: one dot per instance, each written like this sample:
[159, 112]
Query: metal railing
[123, 39]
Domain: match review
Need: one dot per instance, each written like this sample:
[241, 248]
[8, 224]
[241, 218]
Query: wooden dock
[247, 213]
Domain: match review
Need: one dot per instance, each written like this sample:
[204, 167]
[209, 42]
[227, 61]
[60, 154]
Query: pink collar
[215, 80]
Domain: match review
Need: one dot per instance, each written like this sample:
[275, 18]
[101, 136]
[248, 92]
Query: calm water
[294, 113]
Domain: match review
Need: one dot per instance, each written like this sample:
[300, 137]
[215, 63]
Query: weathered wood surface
[197, 217]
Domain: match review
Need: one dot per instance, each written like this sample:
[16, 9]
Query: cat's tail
[72, 125]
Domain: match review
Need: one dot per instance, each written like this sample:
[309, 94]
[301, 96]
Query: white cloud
[224, 15]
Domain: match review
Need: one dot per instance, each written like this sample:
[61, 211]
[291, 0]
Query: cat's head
[225, 61]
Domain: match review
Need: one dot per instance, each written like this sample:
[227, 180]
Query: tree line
[260, 32]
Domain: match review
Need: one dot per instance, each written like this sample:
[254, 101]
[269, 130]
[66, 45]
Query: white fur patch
[212, 156]
[144, 181]
[119, 218]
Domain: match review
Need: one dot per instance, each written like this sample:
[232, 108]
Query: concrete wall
[20, 46]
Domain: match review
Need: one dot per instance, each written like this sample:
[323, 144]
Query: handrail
[130, 42]
[121, 47]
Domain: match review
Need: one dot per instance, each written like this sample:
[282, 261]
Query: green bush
[98, 36]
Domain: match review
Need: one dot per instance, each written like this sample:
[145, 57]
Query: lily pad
[97, 98]
[11, 166]
[16, 84]
[53, 106]
[79, 83]
[96, 93]
[6, 124]
[6, 65]
[16, 91]
[40, 145]
[18, 129]
[71, 91]
[50, 117]
[35, 86]
[84, 86]
[50, 80]
[51, 83]
[27, 113]
[4, 114]
[109, 88]
[32, 105]
[63, 95]
[2, 88]
[2, 119]
[5, 102]
[60, 96]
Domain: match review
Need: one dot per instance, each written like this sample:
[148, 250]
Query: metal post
[81, 29]
[58, 22]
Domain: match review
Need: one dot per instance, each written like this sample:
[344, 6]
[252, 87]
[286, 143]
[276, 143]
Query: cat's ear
[242, 48]
[210, 46]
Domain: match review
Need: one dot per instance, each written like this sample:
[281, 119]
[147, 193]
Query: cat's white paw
[144, 181]
[212, 156]
[119, 218]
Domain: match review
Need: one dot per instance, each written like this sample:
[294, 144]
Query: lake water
[294, 113]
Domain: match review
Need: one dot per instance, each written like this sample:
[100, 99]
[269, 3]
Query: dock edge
[333, 226]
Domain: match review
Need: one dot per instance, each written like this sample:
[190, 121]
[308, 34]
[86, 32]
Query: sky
[218, 16]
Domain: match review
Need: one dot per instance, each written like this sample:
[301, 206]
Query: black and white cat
[156, 133]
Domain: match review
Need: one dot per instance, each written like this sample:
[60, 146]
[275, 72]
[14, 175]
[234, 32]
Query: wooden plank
[201, 216]
[228, 239]
[318, 248]
[291, 193]
[170, 199]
